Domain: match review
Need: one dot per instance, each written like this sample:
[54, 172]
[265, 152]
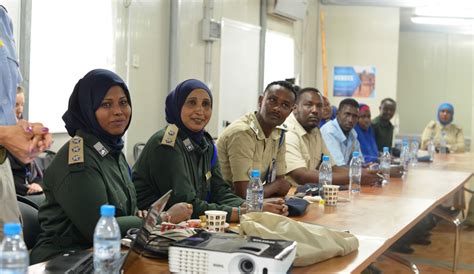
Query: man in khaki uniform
[304, 143]
[255, 142]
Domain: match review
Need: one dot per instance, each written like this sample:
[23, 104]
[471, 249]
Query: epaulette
[253, 127]
[169, 138]
[76, 150]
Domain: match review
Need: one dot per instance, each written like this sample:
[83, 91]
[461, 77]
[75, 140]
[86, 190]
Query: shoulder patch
[169, 138]
[76, 150]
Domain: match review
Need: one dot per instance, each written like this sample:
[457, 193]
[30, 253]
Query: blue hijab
[366, 139]
[449, 107]
[175, 101]
[84, 102]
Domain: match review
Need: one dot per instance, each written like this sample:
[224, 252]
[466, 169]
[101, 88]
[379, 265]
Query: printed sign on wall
[354, 81]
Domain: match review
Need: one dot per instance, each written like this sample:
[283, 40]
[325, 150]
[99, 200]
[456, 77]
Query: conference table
[378, 216]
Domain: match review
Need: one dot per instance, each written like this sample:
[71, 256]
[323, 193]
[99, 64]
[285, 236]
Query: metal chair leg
[457, 222]
[401, 260]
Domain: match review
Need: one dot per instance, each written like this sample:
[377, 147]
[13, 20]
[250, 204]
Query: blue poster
[354, 81]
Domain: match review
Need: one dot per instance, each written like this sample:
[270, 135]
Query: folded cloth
[314, 243]
[296, 206]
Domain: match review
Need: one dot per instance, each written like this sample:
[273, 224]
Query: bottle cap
[355, 154]
[255, 173]
[385, 149]
[326, 158]
[107, 210]
[11, 229]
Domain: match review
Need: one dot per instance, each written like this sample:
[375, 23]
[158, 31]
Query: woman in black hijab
[90, 170]
[183, 157]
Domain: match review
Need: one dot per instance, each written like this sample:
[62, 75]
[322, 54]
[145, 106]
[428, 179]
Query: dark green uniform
[76, 185]
[171, 160]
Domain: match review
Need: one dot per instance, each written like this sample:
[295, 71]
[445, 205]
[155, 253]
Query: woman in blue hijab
[90, 170]
[444, 128]
[182, 156]
[365, 135]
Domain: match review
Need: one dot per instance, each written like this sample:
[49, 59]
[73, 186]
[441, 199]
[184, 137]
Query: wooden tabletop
[378, 216]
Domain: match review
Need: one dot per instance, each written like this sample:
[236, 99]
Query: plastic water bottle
[385, 161]
[255, 192]
[405, 156]
[107, 242]
[14, 258]
[355, 173]
[325, 175]
[414, 152]
[443, 146]
[431, 149]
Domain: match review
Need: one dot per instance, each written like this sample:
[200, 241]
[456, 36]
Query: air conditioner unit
[288, 9]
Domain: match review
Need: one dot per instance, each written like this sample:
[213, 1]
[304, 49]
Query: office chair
[31, 226]
[137, 149]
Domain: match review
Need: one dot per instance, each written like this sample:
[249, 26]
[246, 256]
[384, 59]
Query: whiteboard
[238, 84]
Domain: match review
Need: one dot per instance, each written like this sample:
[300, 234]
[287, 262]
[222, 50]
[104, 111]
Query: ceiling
[407, 10]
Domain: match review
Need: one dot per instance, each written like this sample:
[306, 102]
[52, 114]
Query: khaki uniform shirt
[243, 147]
[454, 136]
[303, 149]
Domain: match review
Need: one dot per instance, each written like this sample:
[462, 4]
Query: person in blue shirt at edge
[328, 113]
[182, 156]
[365, 135]
[90, 170]
[22, 139]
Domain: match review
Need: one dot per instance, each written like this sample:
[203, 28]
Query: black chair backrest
[31, 226]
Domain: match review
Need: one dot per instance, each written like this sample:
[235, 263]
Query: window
[68, 39]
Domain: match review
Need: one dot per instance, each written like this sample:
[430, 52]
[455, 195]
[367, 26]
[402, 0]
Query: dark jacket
[74, 194]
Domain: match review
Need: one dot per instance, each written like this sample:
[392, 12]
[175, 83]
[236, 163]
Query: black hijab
[175, 101]
[86, 99]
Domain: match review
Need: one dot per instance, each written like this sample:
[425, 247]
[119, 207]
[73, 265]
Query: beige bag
[314, 243]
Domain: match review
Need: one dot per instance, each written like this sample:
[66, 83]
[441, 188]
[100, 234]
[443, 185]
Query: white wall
[363, 36]
[435, 68]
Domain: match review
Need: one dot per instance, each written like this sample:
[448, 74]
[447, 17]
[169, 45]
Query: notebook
[82, 261]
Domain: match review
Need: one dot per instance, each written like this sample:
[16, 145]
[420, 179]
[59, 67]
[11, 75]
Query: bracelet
[167, 216]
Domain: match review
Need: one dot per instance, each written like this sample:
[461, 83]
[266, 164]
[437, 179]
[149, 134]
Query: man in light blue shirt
[339, 134]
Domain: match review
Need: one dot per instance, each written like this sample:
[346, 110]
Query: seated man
[383, 128]
[255, 142]
[305, 145]
[339, 134]
[328, 112]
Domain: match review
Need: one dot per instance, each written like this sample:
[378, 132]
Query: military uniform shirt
[243, 147]
[74, 194]
[173, 161]
[303, 149]
[454, 136]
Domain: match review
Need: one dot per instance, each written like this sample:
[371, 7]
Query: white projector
[223, 252]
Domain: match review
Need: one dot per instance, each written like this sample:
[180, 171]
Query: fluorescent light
[453, 8]
[446, 21]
